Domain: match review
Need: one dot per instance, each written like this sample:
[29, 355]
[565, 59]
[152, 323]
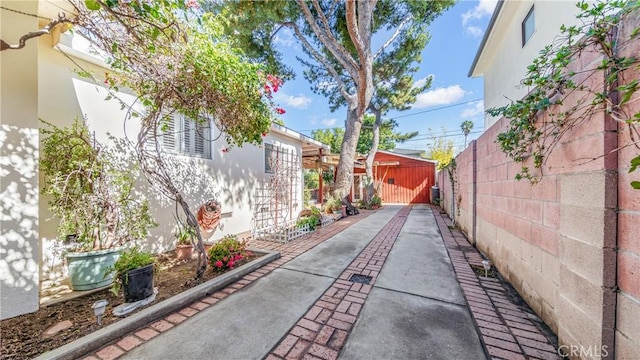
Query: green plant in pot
[185, 236]
[333, 205]
[375, 202]
[91, 193]
[133, 272]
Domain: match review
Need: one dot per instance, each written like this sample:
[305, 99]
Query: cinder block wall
[556, 241]
[627, 331]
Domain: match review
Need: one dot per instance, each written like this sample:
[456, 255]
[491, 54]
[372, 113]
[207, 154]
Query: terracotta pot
[184, 252]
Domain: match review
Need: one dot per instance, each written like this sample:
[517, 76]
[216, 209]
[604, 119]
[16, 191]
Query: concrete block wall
[627, 330]
[556, 241]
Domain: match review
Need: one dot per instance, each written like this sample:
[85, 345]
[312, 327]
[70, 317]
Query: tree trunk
[193, 222]
[344, 175]
[371, 156]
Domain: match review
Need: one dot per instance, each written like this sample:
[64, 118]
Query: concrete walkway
[307, 305]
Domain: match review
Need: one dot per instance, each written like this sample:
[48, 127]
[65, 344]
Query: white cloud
[421, 82]
[329, 122]
[300, 101]
[284, 37]
[474, 109]
[439, 96]
[483, 9]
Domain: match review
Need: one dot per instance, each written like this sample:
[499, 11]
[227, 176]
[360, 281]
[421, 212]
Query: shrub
[375, 200]
[312, 220]
[226, 253]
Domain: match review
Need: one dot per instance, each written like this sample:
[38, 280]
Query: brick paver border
[505, 328]
[288, 251]
[323, 330]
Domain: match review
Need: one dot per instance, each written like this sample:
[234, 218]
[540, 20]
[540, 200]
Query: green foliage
[388, 137]
[375, 201]
[130, 259]
[635, 163]
[332, 137]
[89, 192]
[332, 204]
[441, 150]
[466, 128]
[311, 179]
[538, 121]
[176, 59]
[185, 234]
[314, 220]
[226, 253]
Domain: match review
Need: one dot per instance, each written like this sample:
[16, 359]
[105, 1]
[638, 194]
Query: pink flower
[238, 257]
[230, 264]
[264, 134]
[225, 259]
[192, 4]
[280, 110]
[219, 264]
[225, 150]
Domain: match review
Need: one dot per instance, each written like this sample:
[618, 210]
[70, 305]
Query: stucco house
[568, 244]
[40, 81]
[516, 33]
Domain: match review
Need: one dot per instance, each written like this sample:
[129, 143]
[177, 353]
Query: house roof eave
[485, 39]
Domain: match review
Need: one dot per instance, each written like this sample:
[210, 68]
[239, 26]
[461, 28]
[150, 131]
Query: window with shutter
[170, 136]
[184, 136]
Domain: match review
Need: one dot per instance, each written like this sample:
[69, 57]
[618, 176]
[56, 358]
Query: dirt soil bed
[22, 337]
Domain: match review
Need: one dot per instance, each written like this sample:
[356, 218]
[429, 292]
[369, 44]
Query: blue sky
[455, 37]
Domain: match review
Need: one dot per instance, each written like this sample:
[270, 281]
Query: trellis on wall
[277, 197]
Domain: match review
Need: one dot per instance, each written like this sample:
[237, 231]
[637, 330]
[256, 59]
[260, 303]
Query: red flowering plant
[226, 253]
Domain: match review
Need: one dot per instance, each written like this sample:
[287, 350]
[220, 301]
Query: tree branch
[341, 85]
[330, 42]
[44, 31]
[393, 37]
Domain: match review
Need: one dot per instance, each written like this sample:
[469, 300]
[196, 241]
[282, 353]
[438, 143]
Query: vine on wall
[568, 95]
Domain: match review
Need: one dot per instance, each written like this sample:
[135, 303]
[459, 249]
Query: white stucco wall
[504, 61]
[19, 249]
[231, 177]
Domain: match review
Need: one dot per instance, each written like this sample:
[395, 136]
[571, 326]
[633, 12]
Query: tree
[176, 60]
[387, 136]
[466, 127]
[337, 37]
[441, 150]
[332, 137]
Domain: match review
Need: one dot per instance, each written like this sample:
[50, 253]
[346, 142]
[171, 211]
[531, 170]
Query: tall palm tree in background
[466, 127]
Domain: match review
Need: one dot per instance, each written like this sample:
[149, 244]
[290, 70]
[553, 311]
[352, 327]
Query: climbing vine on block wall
[564, 96]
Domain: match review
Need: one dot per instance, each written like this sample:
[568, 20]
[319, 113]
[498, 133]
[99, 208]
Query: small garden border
[97, 339]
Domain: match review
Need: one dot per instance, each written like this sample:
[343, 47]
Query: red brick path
[505, 328]
[287, 251]
[324, 329]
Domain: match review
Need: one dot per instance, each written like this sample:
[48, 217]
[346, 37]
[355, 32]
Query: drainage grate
[361, 279]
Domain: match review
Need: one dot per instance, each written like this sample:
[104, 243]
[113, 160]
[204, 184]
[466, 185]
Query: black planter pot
[138, 284]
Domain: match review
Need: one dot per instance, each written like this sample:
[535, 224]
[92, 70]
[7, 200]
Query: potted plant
[184, 247]
[91, 193]
[133, 272]
[375, 202]
[333, 205]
